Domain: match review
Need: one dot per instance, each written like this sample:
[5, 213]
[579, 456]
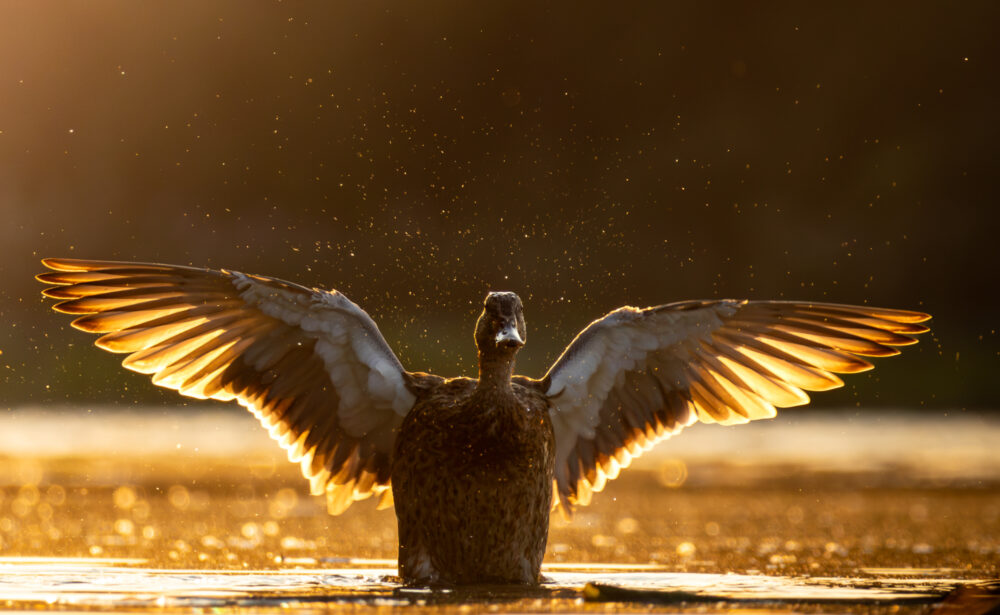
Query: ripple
[121, 584]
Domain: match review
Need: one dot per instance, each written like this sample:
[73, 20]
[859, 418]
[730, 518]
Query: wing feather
[309, 364]
[636, 376]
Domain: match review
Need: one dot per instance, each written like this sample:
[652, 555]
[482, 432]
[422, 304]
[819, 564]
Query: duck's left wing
[637, 376]
[308, 363]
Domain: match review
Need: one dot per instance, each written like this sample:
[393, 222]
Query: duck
[473, 466]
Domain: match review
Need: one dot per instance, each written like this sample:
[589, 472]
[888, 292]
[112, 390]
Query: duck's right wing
[637, 376]
[309, 364]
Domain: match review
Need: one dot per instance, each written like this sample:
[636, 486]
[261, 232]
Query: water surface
[188, 509]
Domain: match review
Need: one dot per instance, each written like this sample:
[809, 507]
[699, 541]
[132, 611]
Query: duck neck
[495, 370]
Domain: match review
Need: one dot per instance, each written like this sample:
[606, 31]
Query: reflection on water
[102, 583]
[186, 509]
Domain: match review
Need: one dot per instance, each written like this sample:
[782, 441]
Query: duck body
[472, 484]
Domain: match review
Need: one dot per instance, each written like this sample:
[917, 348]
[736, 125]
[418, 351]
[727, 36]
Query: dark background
[416, 155]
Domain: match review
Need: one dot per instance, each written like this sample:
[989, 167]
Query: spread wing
[309, 364]
[636, 377]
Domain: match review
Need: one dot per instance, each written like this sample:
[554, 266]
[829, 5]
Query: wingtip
[58, 292]
[909, 317]
[66, 264]
[88, 323]
[76, 265]
[58, 268]
[905, 316]
[70, 306]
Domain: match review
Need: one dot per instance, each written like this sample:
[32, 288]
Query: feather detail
[636, 376]
[309, 364]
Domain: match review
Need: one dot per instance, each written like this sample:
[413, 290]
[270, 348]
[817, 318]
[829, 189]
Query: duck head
[500, 329]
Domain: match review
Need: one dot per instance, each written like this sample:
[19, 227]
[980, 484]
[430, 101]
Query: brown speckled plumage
[474, 466]
[472, 483]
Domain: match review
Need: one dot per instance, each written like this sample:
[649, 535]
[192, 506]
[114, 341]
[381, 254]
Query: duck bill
[508, 337]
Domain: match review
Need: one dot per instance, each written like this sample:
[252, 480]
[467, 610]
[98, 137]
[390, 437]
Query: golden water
[183, 509]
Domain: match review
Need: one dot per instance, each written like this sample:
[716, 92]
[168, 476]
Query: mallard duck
[473, 465]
